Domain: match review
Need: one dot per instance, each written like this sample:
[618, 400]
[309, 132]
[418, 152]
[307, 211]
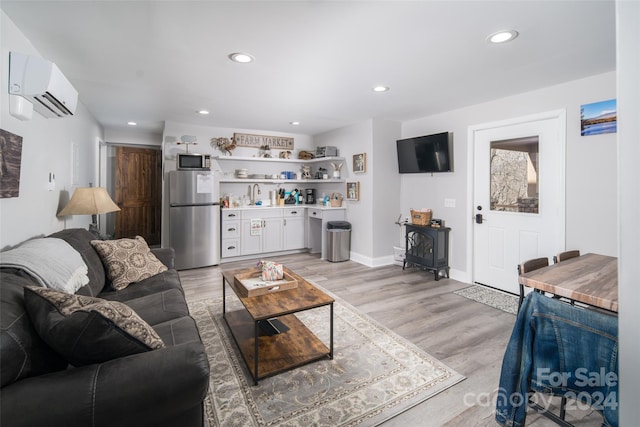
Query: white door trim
[561, 116]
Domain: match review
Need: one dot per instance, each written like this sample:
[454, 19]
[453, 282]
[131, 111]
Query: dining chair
[527, 266]
[563, 256]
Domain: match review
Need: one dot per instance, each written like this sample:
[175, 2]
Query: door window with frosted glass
[514, 175]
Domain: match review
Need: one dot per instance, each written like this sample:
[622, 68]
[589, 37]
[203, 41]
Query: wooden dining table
[590, 279]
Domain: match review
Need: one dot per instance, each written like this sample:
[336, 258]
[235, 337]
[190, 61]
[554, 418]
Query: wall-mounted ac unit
[41, 82]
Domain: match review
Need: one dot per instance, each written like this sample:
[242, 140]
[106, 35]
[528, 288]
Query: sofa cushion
[79, 239]
[178, 331]
[22, 352]
[159, 283]
[86, 330]
[127, 260]
[160, 306]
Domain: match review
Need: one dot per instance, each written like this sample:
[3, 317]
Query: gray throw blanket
[51, 261]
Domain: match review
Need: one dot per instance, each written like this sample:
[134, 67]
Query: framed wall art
[10, 161]
[599, 117]
[353, 190]
[360, 163]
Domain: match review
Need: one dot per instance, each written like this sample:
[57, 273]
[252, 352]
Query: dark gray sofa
[164, 387]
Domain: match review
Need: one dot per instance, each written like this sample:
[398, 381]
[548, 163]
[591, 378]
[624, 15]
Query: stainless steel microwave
[192, 162]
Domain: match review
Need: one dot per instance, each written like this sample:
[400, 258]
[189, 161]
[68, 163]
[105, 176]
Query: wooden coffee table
[268, 351]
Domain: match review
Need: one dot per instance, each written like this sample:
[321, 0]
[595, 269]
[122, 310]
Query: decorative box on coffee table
[250, 283]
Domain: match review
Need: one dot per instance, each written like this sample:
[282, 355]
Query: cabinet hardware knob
[231, 247]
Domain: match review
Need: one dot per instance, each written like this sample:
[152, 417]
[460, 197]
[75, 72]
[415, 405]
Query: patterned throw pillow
[86, 330]
[127, 260]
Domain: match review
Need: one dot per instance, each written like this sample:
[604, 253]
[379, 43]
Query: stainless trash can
[339, 241]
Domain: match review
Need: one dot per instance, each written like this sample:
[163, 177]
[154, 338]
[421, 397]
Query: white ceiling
[316, 61]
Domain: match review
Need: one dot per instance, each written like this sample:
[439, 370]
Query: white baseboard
[460, 276]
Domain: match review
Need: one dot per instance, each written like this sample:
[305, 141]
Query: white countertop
[311, 206]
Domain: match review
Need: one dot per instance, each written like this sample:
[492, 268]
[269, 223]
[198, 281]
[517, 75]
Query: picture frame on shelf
[360, 163]
[353, 190]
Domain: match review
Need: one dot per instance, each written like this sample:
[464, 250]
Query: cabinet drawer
[314, 213]
[293, 213]
[229, 214]
[230, 229]
[230, 247]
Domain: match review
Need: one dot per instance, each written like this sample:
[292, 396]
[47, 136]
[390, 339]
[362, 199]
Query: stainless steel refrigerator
[194, 218]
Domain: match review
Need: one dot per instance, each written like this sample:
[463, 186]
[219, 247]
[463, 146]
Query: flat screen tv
[426, 154]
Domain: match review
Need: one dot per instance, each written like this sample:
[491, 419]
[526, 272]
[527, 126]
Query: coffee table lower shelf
[277, 353]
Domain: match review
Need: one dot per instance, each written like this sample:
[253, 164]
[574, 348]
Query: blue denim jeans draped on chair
[560, 349]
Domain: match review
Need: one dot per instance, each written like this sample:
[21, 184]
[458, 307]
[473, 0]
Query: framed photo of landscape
[598, 118]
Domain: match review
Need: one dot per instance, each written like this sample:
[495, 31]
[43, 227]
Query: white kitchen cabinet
[272, 235]
[293, 228]
[230, 233]
[276, 229]
[261, 231]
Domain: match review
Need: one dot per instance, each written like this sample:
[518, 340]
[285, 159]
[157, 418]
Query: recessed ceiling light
[243, 58]
[380, 88]
[131, 123]
[294, 123]
[503, 36]
[203, 112]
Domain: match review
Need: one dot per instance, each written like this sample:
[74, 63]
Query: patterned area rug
[375, 374]
[491, 297]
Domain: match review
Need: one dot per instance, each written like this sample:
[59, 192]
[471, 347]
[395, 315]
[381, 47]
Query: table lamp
[90, 201]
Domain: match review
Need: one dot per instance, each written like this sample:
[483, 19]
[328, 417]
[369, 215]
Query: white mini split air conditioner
[41, 82]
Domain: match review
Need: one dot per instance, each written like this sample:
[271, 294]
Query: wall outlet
[449, 203]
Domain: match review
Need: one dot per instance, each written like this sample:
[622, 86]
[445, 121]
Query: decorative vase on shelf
[337, 166]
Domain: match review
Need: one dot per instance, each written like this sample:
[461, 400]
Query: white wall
[386, 197]
[132, 136]
[46, 147]
[351, 140]
[373, 232]
[591, 167]
[628, 66]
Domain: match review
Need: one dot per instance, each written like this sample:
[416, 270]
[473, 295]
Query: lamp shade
[89, 201]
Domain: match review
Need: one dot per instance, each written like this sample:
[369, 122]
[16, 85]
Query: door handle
[479, 219]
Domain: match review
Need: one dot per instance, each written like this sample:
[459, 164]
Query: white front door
[518, 195]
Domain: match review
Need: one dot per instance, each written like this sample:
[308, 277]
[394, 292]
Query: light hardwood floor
[467, 336]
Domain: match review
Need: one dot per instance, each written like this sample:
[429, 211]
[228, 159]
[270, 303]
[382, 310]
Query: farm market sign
[257, 141]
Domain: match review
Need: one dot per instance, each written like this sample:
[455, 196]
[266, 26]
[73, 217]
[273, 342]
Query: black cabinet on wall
[427, 247]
